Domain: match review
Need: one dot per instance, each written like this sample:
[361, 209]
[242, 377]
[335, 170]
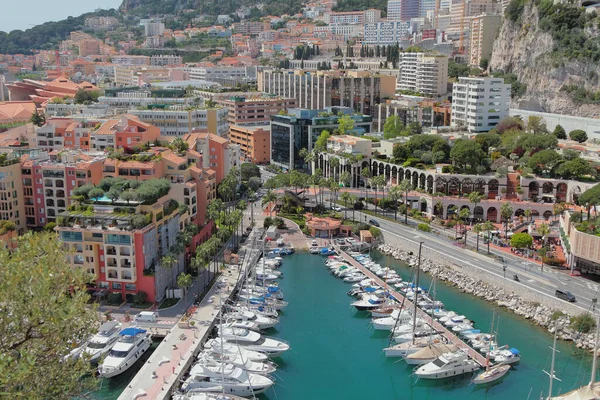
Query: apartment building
[383, 33]
[423, 73]
[348, 144]
[483, 32]
[316, 90]
[165, 60]
[122, 59]
[64, 133]
[251, 28]
[12, 202]
[125, 131]
[427, 113]
[402, 10]
[479, 103]
[218, 154]
[124, 76]
[89, 47]
[230, 76]
[154, 28]
[174, 120]
[301, 128]
[254, 142]
[255, 110]
[353, 17]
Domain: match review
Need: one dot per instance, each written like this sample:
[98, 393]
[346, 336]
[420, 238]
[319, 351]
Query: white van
[146, 316]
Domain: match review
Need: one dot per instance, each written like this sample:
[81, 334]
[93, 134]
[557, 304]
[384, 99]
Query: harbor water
[336, 355]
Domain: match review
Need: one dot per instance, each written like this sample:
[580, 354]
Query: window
[130, 286]
[117, 286]
[103, 285]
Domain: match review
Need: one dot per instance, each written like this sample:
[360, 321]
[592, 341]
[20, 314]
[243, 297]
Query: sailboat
[491, 373]
[591, 390]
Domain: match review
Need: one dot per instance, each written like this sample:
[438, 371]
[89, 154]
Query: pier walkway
[451, 337]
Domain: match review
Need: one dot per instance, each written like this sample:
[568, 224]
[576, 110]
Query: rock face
[535, 312]
[525, 50]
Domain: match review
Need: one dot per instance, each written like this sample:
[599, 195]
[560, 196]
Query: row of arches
[481, 214]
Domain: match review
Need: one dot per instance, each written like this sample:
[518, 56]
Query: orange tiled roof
[16, 110]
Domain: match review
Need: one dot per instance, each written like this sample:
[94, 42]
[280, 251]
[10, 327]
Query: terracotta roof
[174, 158]
[16, 110]
[107, 128]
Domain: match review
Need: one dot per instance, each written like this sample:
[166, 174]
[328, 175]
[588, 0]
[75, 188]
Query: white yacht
[491, 374]
[255, 367]
[369, 302]
[507, 356]
[216, 347]
[254, 341]
[261, 321]
[388, 323]
[102, 342]
[196, 395]
[447, 365]
[429, 353]
[355, 277]
[132, 344]
[225, 378]
[410, 347]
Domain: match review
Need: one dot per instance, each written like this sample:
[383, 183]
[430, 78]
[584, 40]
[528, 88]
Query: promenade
[451, 337]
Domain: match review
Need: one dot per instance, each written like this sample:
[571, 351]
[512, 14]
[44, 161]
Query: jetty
[160, 376]
[445, 332]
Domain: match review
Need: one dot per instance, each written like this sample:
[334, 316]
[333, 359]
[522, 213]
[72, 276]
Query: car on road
[373, 222]
[336, 208]
[565, 295]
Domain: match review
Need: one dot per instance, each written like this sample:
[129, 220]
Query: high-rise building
[301, 128]
[478, 104]
[178, 120]
[483, 32]
[423, 73]
[316, 90]
[154, 28]
[255, 110]
[254, 142]
[390, 32]
[402, 10]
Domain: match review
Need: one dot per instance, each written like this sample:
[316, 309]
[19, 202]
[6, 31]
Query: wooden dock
[448, 334]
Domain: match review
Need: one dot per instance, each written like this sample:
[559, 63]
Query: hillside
[554, 50]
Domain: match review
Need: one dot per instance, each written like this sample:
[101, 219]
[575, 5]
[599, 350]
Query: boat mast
[416, 291]
[487, 357]
[595, 359]
[552, 364]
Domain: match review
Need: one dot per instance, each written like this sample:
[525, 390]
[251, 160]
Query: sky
[16, 15]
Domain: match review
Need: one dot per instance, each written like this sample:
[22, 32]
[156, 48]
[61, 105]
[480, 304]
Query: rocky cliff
[527, 48]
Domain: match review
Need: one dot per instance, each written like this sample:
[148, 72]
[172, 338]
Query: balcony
[118, 239]
[112, 274]
[110, 250]
[60, 184]
[126, 263]
[125, 251]
[53, 174]
[48, 183]
[60, 193]
[111, 262]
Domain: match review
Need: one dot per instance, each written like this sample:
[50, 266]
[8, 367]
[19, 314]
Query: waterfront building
[581, 247]
[254, 142]
[483, 32]
[256, 109]
[180, 120]
[300, 128]
[423, 73]
[316, 90]
[478, 104]
[388, 32]
[218, 154]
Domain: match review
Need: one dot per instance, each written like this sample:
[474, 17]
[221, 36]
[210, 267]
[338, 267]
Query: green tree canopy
[467, 153]
[249, 170]
[574, 168]
[521, 240]
[488, 140]
[345, 124]
[559, 132]
[590, 196]
[544, 161]
[578, 135]
[393, 127]
[321, 143]
[44, 314]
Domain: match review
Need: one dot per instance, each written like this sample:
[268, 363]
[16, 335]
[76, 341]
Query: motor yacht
[369, 302]
[132, 344]
[410, 347]
[420, 333]
[507, 356]
[355, 277]
[388, 323]
[199, 395]
[262, 322]
[385, 310]
[216, 347]
[314, 250]
[225, 378]
[261, 309]
[447, 316]
[459, 319]
[447, 365]
[254, 341]
[102, 342]
[255, 367]
[465, 326]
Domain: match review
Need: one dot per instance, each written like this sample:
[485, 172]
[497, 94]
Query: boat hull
[109, 373]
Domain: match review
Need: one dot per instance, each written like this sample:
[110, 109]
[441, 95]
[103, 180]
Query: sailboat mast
[416, 291]
[552, 364]
[595, 359]
[487, 357]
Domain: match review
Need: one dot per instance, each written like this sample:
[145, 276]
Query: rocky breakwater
[542, 315]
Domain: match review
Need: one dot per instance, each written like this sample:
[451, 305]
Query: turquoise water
[335, 355]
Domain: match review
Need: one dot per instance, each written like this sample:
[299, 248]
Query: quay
[172, 359]
[451, 337]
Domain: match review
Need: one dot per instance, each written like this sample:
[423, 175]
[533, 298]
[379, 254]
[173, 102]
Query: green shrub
[114, 299]
[375, 232]
[556, 315]
[424, 227]
[140, 297]
[583, 323]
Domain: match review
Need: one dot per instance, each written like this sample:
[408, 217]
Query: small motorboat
[510, 356]
[314, 250]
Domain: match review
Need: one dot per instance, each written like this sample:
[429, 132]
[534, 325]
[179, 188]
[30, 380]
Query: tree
[87, 97]
[536, 125]
[488, 226]
[353, 200]
[414, 128]
[543, 230]
[185, 281]
[345, 178]
[405, 187]
[463, 216]
[506, 212]
[466, 152]
[179, 145]
[528, 214]
[37, 119]
[83, 191]
[590, 198]
[270, 197]
[377, 182]
[345, 124]
[578, 135]
[483, 64]
[113, 194]
[559, 132]
[321, 143]
[249, 170]
[478, 228]
[521, 240]
[574, 169]
[544, 161]
[365, 173]
[254, 183]
[96, 193]
[393, 127]
[345, 198]
[475, 198]
[334, 164]
[488, 141]
[44, 309]
[395, 194]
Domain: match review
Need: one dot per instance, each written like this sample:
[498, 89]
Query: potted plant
[184, 322]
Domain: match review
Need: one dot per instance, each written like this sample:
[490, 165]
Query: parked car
[336, 208]
[373, 222]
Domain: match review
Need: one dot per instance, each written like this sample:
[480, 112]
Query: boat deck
[448, 334]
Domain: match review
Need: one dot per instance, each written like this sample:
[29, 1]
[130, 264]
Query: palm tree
[440, 207]
[269, 197]
[506, 212]
[544, 230]
[345, 197]
[200, 260]
[170, 262]
[528, 214]
[307, 156]
[346, 178]
[353, 200]
[365, 173]
[488, 226]
[478, 228]
[475, 198]
[395, 194]
[463, 215]
[405, 187]
[377, 182]
[334, 164]
[185, 281]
